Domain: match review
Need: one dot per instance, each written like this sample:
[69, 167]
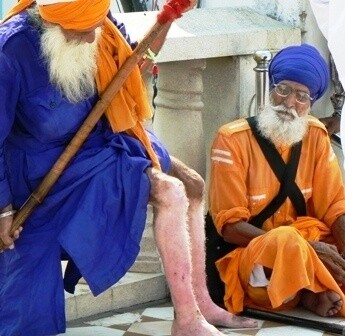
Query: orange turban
[69, 14]
[77, 14]
[130, 107]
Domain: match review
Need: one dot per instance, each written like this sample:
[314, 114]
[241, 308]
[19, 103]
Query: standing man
[276, 193]
[56, 59]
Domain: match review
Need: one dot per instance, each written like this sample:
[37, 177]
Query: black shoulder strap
[285, 173]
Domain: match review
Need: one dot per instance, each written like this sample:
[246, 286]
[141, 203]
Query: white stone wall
[296, 13]
[5, 5]
[282, 10]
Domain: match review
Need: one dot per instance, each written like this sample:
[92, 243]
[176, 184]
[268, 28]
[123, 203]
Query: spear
[172, 10]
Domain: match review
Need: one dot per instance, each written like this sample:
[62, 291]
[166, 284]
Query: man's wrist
[6, 208]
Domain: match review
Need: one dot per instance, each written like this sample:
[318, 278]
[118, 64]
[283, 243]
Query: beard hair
[282, 132]
[71, 65]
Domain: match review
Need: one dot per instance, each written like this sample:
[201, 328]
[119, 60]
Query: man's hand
[338, 232]
[5, 230]
[331, 258]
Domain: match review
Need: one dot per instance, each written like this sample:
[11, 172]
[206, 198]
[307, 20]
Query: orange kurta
[242, 184]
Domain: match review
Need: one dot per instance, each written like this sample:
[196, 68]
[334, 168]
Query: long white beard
[72, 66]
[279, 131]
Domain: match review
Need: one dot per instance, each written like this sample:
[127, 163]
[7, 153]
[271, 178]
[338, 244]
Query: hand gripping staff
[172, 10]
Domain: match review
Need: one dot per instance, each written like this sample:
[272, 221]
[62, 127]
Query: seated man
[276, 192]
[56, 59]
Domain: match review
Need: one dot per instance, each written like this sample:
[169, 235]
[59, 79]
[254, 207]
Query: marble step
[133, 289]
[147, 262]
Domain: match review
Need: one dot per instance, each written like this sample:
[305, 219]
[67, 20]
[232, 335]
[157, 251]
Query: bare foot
[198, 326]
[326, 303]
[220, 317]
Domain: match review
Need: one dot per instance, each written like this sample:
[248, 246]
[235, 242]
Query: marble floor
[155, 320]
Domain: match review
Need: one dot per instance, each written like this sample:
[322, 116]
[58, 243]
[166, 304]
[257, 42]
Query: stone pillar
[178, 118]
[178, 124]
[229, 94]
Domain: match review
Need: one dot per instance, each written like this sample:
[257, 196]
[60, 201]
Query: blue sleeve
[161, 152]
[121, 27]
[9, 92]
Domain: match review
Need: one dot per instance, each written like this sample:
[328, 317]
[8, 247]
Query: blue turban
[303, 64]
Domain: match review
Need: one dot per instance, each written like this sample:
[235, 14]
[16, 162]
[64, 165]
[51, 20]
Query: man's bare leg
[326, 303]
[212, 312]
[170, 202]
[194, 185]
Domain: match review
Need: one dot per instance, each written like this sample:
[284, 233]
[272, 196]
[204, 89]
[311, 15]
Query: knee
[286, 234]
[167, 191]
[193, 182]
[286, 231]
[195, 186]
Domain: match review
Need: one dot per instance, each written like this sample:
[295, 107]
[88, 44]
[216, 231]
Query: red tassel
[154, 70]
[172, 10]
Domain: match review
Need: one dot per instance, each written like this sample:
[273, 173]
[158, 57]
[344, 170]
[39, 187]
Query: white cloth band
[7, 213]
[258, 277]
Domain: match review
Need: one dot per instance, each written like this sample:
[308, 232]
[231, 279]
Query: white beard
[72, 66]
[279, 131]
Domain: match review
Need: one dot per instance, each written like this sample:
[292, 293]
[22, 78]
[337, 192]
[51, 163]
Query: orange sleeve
[227, 197]
[328, 198]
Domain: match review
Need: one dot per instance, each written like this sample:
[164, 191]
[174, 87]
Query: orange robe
[242, 184]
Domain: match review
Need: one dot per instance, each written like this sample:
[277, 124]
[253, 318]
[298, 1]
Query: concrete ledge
[131, 290]
[214, 32]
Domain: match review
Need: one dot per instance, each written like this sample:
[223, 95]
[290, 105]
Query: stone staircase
[145, 282]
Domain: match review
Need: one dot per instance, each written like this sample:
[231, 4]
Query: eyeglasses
[284, 91]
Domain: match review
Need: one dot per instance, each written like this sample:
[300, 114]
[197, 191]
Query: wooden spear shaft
[96, 113]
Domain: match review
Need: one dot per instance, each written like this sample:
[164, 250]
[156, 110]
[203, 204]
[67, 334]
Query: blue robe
[95, 212]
